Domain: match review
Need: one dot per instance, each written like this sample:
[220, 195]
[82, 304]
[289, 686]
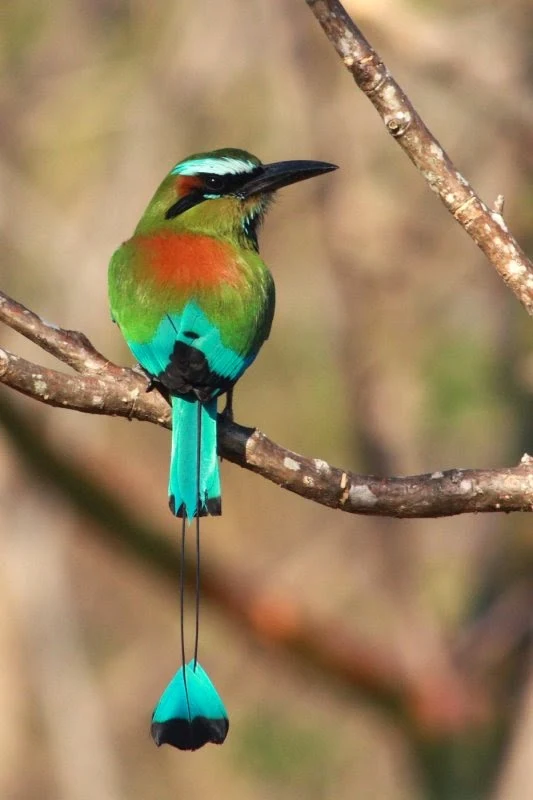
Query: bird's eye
[214, 183]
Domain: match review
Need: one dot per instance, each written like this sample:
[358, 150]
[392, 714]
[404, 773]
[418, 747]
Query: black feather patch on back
[188, 373]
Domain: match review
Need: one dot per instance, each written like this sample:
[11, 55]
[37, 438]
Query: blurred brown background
[396, 349]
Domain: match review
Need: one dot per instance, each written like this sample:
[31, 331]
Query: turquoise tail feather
[191, 490]
[190, 712]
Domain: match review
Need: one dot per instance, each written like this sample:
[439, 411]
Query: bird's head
[224, 193]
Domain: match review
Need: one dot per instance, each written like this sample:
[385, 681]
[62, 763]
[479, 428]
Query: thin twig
[487, 228]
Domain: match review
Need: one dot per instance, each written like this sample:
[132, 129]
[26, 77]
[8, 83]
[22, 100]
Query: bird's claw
[226, 414]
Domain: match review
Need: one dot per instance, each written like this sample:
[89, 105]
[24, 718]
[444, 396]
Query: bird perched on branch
[195, 302]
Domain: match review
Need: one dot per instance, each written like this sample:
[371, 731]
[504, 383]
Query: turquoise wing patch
[192, 327]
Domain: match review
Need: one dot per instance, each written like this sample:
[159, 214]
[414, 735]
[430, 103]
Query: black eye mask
[214, 186]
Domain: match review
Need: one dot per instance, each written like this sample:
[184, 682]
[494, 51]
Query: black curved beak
[282, 173]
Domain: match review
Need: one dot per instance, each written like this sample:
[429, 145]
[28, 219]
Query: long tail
[190, 712]
[193, 490]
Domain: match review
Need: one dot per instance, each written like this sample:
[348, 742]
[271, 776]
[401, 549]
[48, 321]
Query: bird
[194, 302]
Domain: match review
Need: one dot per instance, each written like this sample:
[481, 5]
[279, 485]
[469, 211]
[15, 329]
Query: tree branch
[443, 703]
[105, 388]
[71, 347]
[487, 228]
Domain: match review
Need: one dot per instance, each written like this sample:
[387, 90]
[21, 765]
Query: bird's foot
[226, 414]
[153, 383]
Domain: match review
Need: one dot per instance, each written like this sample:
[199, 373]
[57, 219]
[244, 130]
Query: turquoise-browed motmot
[195, 302]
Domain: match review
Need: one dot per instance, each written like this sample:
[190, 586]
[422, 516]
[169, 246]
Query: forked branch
[101, 387]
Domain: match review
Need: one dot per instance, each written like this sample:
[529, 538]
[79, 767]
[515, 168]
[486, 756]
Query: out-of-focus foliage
[395, 349]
